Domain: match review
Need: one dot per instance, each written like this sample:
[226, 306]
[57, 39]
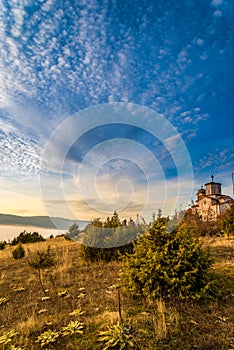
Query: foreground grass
[86, 292]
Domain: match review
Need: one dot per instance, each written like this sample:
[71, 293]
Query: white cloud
[200, 41]
[47, 5]
[7, 127]
[216, 3]
[81, 61]
[211, 161]
[18, 14]
[18, 154]
[172, 141]
[217, 13]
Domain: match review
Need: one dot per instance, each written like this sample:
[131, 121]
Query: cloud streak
[57, 58]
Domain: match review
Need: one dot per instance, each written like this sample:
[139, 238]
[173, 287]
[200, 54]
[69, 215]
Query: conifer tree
[168, 264]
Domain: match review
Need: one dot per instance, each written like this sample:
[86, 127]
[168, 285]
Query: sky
[106, 105]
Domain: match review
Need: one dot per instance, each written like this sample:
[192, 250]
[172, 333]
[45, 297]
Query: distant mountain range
[40, 221]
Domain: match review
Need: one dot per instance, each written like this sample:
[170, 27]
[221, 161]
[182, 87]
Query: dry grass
[159, 320]
[86, 292]
[222, 249]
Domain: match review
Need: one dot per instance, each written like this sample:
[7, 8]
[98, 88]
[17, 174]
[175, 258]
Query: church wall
[210, 202]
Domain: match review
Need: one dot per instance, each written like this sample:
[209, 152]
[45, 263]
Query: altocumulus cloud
[18, 154]
[57, 58]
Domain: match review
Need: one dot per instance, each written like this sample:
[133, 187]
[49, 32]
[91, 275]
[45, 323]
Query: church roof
[212, 182]
[219, 196]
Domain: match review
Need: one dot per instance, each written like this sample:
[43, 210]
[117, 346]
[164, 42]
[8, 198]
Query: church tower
[210, 202]
[213, 188]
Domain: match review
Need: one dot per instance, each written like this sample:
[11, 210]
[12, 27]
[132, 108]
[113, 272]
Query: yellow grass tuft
[106, 318]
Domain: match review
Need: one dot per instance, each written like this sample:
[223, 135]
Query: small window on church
[204, 202]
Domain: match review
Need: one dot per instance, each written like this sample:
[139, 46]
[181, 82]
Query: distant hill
[39, 221]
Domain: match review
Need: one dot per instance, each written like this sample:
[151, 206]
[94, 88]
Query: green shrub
[18, 252]
[106, 254]
[42, 259]
[3, 245]
[27, 237]
[111, 239]
[73, 232]
[168, 264]
[201, 228]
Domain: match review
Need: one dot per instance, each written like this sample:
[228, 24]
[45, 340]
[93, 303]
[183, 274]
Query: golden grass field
[78, 290]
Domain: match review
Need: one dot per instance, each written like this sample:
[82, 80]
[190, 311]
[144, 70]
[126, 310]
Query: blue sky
[58, 58]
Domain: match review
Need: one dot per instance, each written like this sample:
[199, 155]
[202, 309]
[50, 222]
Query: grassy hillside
[86, 292]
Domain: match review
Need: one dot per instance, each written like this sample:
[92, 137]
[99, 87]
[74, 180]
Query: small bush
[201, 228]
[27, 237]
[104, 254]
[73, 232]
[168, 264]
[18, 252]
[43, 259]
[3, 245]
[111, 239]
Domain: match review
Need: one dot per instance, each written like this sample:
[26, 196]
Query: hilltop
[86, 292]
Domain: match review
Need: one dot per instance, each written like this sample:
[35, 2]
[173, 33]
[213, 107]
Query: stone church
[210, 202]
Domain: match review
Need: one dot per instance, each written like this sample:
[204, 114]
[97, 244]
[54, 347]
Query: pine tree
[168, 264]
[73, 231]
[18, 252]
